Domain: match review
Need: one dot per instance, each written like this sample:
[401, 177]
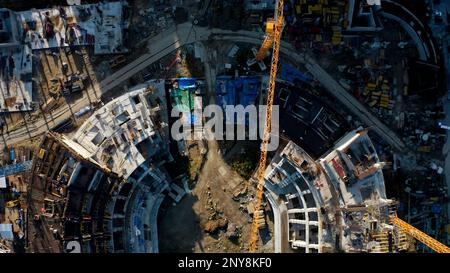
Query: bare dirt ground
[182, 228]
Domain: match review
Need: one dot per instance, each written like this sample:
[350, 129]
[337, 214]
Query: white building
[92, 24]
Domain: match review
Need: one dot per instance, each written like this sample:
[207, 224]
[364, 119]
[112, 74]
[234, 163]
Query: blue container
[12, 154]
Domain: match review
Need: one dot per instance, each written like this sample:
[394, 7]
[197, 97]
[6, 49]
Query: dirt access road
[181, 229]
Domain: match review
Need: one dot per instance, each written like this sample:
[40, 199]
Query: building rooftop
[120, 135]
[23, 32]
[92, 24]
[355, 169]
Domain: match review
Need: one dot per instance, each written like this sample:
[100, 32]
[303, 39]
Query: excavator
[274, 29]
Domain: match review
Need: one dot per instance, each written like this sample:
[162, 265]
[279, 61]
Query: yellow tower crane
[419, 235]
[274, 28]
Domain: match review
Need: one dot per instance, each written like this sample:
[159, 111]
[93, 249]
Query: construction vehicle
[12, 203]
[274, 28]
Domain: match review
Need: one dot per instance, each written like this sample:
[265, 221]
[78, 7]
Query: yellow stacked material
[335, 40]
[337, 35]
[298, 9]
[385, 96]
[372, 103]
[375, 98]
[260, 219]
[371, 86]
[424, 149]
[316, 9]
[318, 38]
[383, 242]
[385, 102]
[401, 239]
[376, 94]
[41, 153]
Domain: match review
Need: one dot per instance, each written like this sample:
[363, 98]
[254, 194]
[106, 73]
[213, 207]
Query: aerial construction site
[288, 126]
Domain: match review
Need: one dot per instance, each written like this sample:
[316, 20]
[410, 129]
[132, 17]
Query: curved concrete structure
[418, 32]
[336, 203]
[109, 177]
[122, 137]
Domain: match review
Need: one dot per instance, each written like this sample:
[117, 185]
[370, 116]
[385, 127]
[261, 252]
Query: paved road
[183, 34]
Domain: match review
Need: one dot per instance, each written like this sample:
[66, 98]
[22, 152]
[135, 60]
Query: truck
[83, 111]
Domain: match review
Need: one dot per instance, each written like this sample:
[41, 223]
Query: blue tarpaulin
[16, 168]
[187, 83]
[237, 91]
[241, 91]
[290, 73]
[226, 91]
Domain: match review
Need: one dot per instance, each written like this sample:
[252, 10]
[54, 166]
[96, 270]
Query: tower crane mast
[274, 29]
